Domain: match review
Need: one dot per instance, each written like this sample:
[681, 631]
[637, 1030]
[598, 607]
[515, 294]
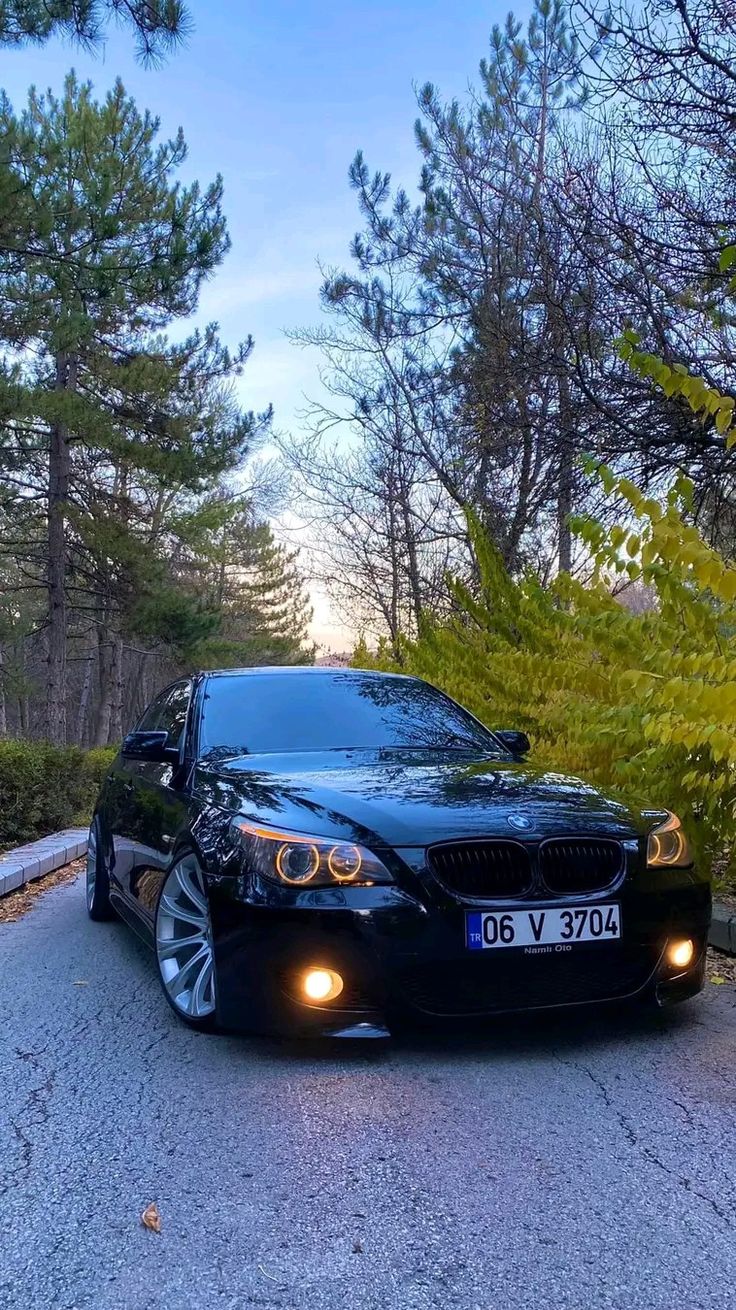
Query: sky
[277, 97]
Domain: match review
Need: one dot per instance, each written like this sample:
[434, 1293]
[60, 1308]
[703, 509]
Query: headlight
[300, 860]
[668, 847]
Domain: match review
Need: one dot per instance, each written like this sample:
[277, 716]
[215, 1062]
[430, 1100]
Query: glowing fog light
[322, 984]
[680, 954]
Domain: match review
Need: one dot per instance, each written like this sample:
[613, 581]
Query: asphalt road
[581, 1163]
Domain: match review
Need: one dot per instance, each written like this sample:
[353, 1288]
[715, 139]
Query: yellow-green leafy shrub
[644, 703]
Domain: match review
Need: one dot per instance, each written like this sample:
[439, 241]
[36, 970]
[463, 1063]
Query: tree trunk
[81, 730]
[521, 515]
[566, 476]
[565, 434]
[59, 468]
[115, 731]
[20, 660]
[412, 566]
[110, 710]
[564, 508]
[394, 620]
[102, 725]
[3, 716]
[143, 691]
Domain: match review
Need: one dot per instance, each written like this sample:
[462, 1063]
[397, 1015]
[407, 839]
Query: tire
[185, 956]
[97, 880]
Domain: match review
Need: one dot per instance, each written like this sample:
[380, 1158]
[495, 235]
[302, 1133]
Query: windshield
[313, 712]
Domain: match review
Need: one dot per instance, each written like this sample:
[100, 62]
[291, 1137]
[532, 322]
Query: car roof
[311, 670]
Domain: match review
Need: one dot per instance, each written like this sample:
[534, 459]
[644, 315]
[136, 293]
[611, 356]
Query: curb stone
[36, 858]
[723, 928]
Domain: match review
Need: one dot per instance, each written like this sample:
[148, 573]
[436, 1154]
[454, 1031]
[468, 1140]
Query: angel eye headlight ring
[297, 862]
[304, 859]
[668, 846]
[344, 863]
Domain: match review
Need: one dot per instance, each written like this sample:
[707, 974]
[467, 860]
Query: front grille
[472, 987]
[482, 869]
[578, 864]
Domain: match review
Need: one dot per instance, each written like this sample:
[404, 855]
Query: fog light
[680, 954]
[321, 984]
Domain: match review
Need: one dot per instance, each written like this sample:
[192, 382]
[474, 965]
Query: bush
[44, 788]
[643, 704]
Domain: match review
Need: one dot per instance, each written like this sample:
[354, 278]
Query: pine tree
[157, 24]
[93, 389]
[254, 587]
[269, 612]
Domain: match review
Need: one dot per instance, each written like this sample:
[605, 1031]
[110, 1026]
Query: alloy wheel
[184, 941]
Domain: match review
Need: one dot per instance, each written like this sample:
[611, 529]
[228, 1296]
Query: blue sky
[277, 97]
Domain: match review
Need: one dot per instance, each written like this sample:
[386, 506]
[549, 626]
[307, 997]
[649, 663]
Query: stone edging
[37, 858]
[723, 928]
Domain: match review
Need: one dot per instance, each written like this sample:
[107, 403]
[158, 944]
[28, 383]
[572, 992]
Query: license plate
[555, 928]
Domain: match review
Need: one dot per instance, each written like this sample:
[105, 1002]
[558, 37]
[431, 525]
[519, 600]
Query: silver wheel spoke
[170, 946]
[185, 915]
[180, 977]
[184, 941]
[199, 1004]
[191, 890]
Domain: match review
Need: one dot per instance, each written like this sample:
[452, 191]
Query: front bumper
[403, 959]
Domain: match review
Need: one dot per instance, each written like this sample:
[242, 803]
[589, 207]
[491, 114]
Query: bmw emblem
[519, 821]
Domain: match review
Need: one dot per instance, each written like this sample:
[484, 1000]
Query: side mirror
[516, 742]
[150, 746]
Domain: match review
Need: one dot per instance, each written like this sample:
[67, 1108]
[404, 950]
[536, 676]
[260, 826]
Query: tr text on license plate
[543, 927]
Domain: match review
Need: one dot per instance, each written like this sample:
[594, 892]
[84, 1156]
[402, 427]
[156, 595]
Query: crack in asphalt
[634, 1140]
[623, 1120]
[508, 1168]
[34, 1113]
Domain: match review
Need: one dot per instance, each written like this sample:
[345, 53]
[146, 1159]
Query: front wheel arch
[182, 940]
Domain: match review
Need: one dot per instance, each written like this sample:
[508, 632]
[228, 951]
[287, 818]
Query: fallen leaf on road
[357, 1248]
[720, 966]
[151, 1218]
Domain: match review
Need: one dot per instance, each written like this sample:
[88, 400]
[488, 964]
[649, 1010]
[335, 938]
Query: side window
[150, 720]
[168, 713]
[173, 714]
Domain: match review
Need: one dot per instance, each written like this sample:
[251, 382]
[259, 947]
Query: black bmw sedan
[330, 851]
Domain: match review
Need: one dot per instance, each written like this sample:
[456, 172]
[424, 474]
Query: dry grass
[16, 904]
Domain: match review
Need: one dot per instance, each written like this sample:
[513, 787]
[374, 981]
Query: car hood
[409, 797]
